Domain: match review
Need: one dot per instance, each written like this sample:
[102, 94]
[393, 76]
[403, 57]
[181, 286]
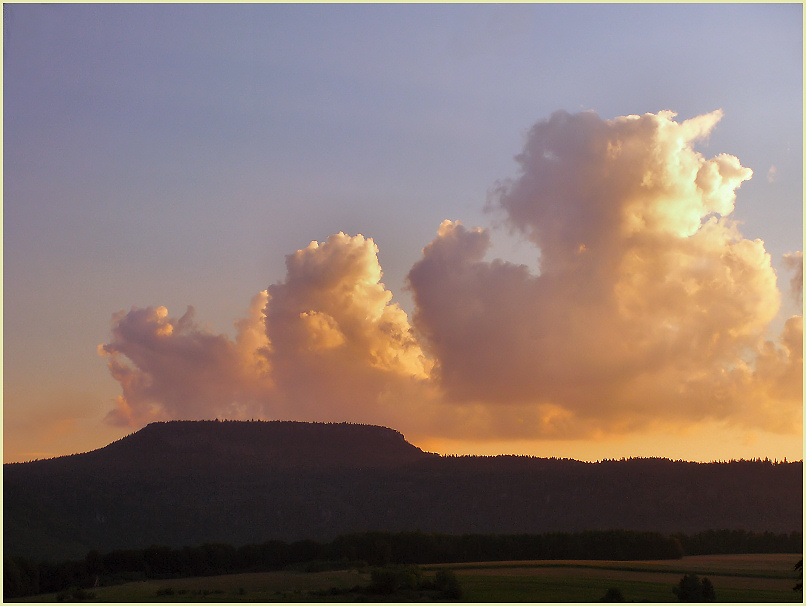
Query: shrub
[384, 581]
[613, 595]
[692, 589]
[388, 580]
[74, 594]
[446, 581]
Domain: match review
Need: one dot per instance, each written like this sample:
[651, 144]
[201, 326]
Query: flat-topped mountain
[238, 482]
[189, 444]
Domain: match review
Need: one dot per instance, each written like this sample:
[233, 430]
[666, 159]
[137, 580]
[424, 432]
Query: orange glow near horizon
[649, 330]
[703, 444]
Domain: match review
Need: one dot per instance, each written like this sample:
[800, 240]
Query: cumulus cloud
[794, 262]
[326, 343]
[171, 368]
[647, 308]
[338, 342]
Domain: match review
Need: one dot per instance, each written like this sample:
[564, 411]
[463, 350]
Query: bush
[446, 582]
[390, 580]
[708, 591]
[692, 589]
[386, 581]
[74, 594]
[613, 595]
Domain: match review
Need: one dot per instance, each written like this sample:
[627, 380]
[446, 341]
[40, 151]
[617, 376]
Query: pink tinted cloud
[326, 343]
[794, 262]
[171, 368]
[649, 306]
[649, 309]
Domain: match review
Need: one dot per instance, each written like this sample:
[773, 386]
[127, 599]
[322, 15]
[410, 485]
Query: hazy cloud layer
[647, 308]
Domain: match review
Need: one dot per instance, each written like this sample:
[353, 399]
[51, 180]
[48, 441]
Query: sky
[558, 230]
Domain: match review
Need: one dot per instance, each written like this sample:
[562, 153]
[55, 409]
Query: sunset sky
[556, 230]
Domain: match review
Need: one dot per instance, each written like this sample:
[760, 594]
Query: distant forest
[23, 577]
[240, 483]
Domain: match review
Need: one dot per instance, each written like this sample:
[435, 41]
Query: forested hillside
[190, 483]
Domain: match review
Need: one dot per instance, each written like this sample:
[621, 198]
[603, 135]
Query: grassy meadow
[736, 578]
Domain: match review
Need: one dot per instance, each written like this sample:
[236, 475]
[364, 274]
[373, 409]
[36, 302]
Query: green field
[278, 586]
[736, 578]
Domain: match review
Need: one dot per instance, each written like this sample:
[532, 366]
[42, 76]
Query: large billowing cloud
[340, 347]
[181, 370]
[794, 261]
[324, 344]
[646, 308]
[649, 306]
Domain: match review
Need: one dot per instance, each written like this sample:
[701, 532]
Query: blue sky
[174, 154]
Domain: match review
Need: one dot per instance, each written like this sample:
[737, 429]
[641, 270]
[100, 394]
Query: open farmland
[283, 586]
[736, 578]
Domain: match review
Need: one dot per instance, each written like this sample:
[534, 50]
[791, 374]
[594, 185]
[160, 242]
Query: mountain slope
[286, 444]
[188, 483]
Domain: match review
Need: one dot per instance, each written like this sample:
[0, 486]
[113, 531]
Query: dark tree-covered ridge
[194, 482]
[283, 443]
[396, 552]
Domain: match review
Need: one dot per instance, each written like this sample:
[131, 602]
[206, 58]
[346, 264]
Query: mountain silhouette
[284, 444]
[239, 482]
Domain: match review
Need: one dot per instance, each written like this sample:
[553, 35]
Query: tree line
[191, 483]
[718, 542]
[22, 577]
